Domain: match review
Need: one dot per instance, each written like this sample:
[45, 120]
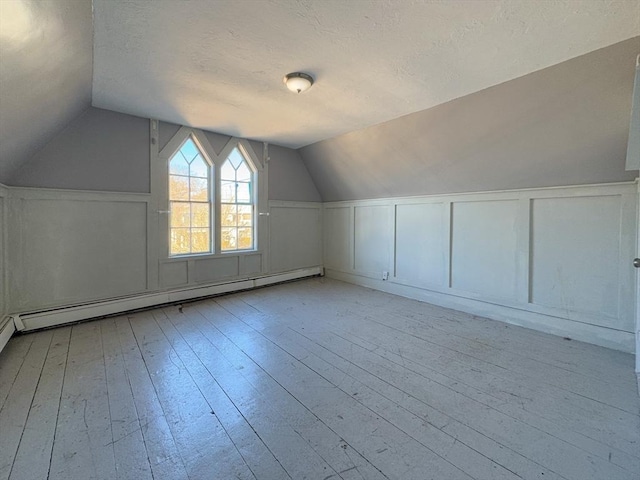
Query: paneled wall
[74, 247]
[555, 259]
[82, 222]
[70, 248]
[295, 235]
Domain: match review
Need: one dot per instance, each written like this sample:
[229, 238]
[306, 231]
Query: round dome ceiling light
[298, 82]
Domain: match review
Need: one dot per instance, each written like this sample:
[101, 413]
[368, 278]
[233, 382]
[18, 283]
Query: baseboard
[7, 328]
[602, 336]
[60, 316]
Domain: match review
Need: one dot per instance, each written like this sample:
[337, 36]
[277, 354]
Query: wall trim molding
[7, 329]
[294, 204]
[541, 192]
[33, 193]
[29, 321]
[365, 260]
[604, 337]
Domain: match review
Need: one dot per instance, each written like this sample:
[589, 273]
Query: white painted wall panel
[250, 264]
[483, 250]
[421, 244]
[372, 239]
[73, 250]
[552, 259]
[337, 237]
[295, 237]
[208, 270]
[575, 256]
[174, 274]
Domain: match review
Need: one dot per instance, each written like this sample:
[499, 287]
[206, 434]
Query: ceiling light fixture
[298, 82]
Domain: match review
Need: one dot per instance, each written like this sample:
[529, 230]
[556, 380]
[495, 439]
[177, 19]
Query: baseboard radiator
[30, 321]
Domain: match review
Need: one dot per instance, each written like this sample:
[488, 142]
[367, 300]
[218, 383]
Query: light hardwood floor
[315, 379]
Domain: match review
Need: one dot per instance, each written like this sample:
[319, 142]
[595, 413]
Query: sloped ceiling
[564, 125]
[219, 65]
[46, 55]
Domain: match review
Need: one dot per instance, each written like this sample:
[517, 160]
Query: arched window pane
[199, 168]
[236, 158]
[243, 173]
[178, 166]
[236, 189]
[189, 201]
[189, 150]
[227, 172]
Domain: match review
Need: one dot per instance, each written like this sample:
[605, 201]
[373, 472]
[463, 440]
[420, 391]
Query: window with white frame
[236, 203]
[212, 198]
[189, 201]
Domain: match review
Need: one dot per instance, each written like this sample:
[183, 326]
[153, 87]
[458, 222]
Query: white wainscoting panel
[250, 264]
[69, 250]
[211, 270]
[422, 236]
[554, 259]
[338, 237]
[79, 254]
[484, 248]
[295, 235]
[372, 239]
[174, 273]
[575, 261]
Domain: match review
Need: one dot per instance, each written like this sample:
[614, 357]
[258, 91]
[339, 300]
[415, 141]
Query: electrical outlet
[385, 275]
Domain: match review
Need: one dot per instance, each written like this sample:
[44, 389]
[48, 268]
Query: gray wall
[564, 125]
[99, 150]
[633, 148]
[103, 150]
[4, 233]
[45, 73]
[289, 178]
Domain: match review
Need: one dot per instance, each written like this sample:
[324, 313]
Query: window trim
[216, 159]
[253, 194]
[211, 181]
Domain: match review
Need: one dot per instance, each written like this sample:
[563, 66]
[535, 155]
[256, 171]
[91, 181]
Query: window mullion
[216, 209]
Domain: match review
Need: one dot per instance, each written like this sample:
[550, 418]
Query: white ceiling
[218, 65]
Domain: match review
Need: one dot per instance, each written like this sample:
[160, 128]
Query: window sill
[204, 256]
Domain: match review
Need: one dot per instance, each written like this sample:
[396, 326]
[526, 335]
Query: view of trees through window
[236, 197]
[189, 201]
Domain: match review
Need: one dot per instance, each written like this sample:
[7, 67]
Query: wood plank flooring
[315, 379]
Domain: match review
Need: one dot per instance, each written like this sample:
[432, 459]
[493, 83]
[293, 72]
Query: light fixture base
[298, 82]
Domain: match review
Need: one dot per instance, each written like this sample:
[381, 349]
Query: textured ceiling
[45, 73]
[219, 65]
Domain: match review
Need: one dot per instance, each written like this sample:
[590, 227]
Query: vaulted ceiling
[219, 64]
